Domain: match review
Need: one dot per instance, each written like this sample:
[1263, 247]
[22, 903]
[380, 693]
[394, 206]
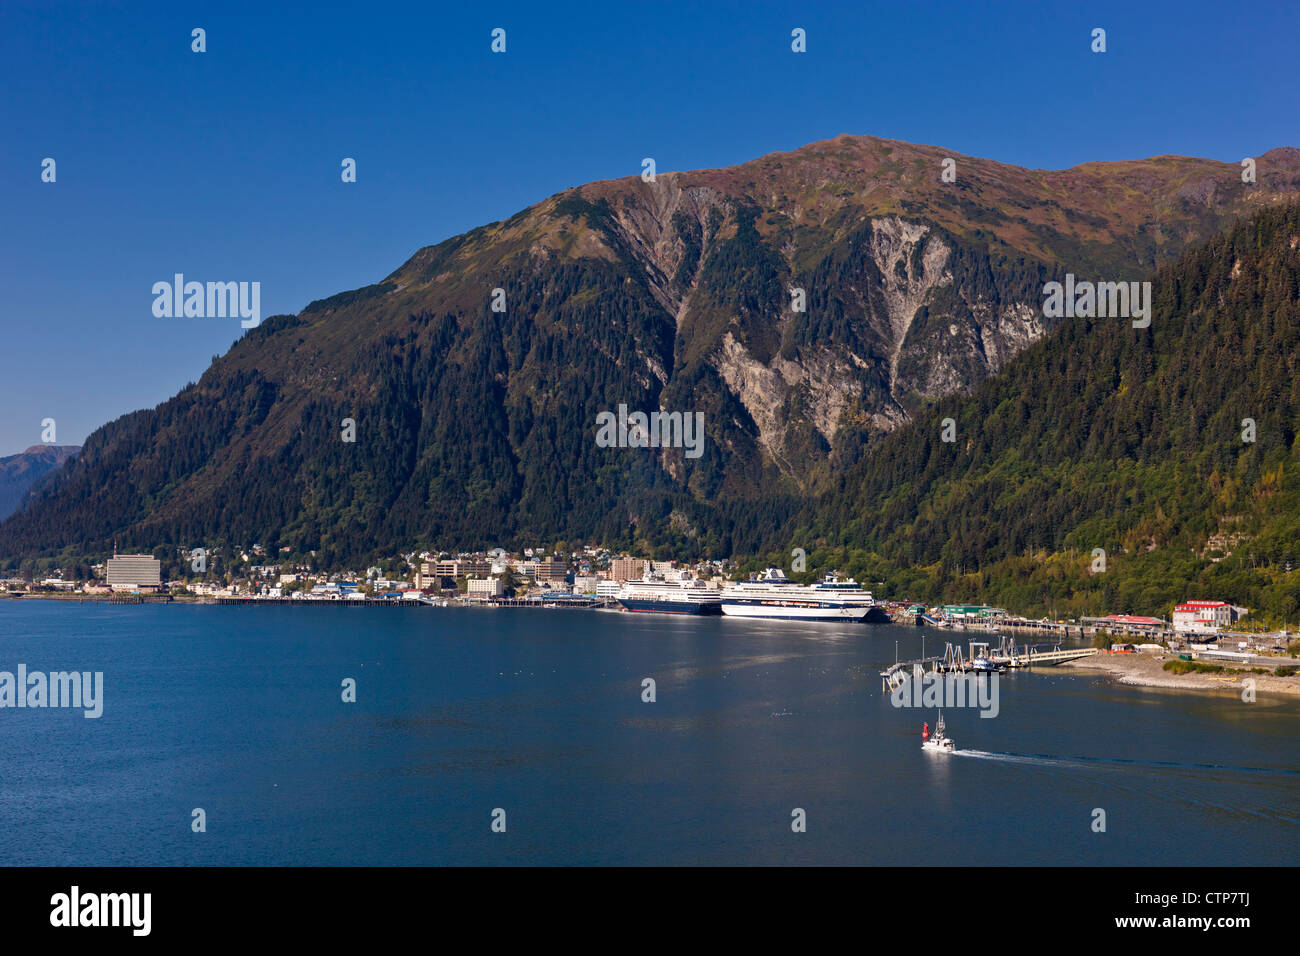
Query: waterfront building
[970, 612]
[134, 572]
[1203, 616]
[484, 588]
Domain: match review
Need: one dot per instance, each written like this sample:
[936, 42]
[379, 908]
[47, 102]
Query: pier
[308, 602]
[550, 602]
[1006, 655]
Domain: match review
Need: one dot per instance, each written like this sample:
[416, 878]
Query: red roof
[1133, 619]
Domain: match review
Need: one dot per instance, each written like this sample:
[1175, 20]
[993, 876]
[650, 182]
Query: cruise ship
[682, 594]
[774, 596]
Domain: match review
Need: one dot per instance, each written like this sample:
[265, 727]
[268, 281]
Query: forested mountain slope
[1172, 448]
[476, 427]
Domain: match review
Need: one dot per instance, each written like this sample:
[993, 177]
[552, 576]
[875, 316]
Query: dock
[1008, 654]
[307, 602]
[550, 602]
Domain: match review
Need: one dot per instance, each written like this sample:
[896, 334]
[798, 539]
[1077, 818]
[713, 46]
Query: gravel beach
[1147, 670]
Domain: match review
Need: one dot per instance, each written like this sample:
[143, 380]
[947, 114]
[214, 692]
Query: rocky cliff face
[891, 320]
[806, 304]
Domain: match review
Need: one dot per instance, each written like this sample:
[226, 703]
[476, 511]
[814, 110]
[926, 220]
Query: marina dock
[300, 602]
[1008, 654]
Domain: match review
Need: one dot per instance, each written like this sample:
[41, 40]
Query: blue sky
[225, 165]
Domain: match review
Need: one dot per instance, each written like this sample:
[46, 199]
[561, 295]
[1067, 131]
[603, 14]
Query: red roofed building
[1202, 616]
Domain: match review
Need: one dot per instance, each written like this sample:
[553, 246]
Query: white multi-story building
[130, 572]
[484, 588]
[1202, 616]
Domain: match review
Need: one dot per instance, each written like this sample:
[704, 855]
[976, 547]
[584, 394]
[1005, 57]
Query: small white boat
[937, 740]
[981, 662]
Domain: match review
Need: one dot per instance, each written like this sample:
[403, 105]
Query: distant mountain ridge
[476, 427]
[19, 472]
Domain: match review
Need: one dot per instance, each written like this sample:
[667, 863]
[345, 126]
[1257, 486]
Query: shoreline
[243, 601]
[1147, 670]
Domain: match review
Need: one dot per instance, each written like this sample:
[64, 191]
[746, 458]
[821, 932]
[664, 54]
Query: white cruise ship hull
[792, 610]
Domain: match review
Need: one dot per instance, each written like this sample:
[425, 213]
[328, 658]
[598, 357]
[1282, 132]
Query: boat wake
[1055, 760]
[1188, 783]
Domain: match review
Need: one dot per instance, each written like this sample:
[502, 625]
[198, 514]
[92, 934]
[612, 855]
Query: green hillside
[1105, 436]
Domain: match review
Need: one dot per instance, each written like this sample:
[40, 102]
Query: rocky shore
[1147, 670]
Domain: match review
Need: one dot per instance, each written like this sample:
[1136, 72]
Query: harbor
[454, 702]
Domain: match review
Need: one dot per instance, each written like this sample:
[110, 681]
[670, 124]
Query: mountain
[1172, 448]
[476, 427]
[19, 472]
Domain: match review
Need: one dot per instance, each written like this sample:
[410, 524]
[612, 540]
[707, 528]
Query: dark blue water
[238, 710]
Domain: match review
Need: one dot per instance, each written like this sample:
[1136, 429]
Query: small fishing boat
[937, 740]
[981, 662]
